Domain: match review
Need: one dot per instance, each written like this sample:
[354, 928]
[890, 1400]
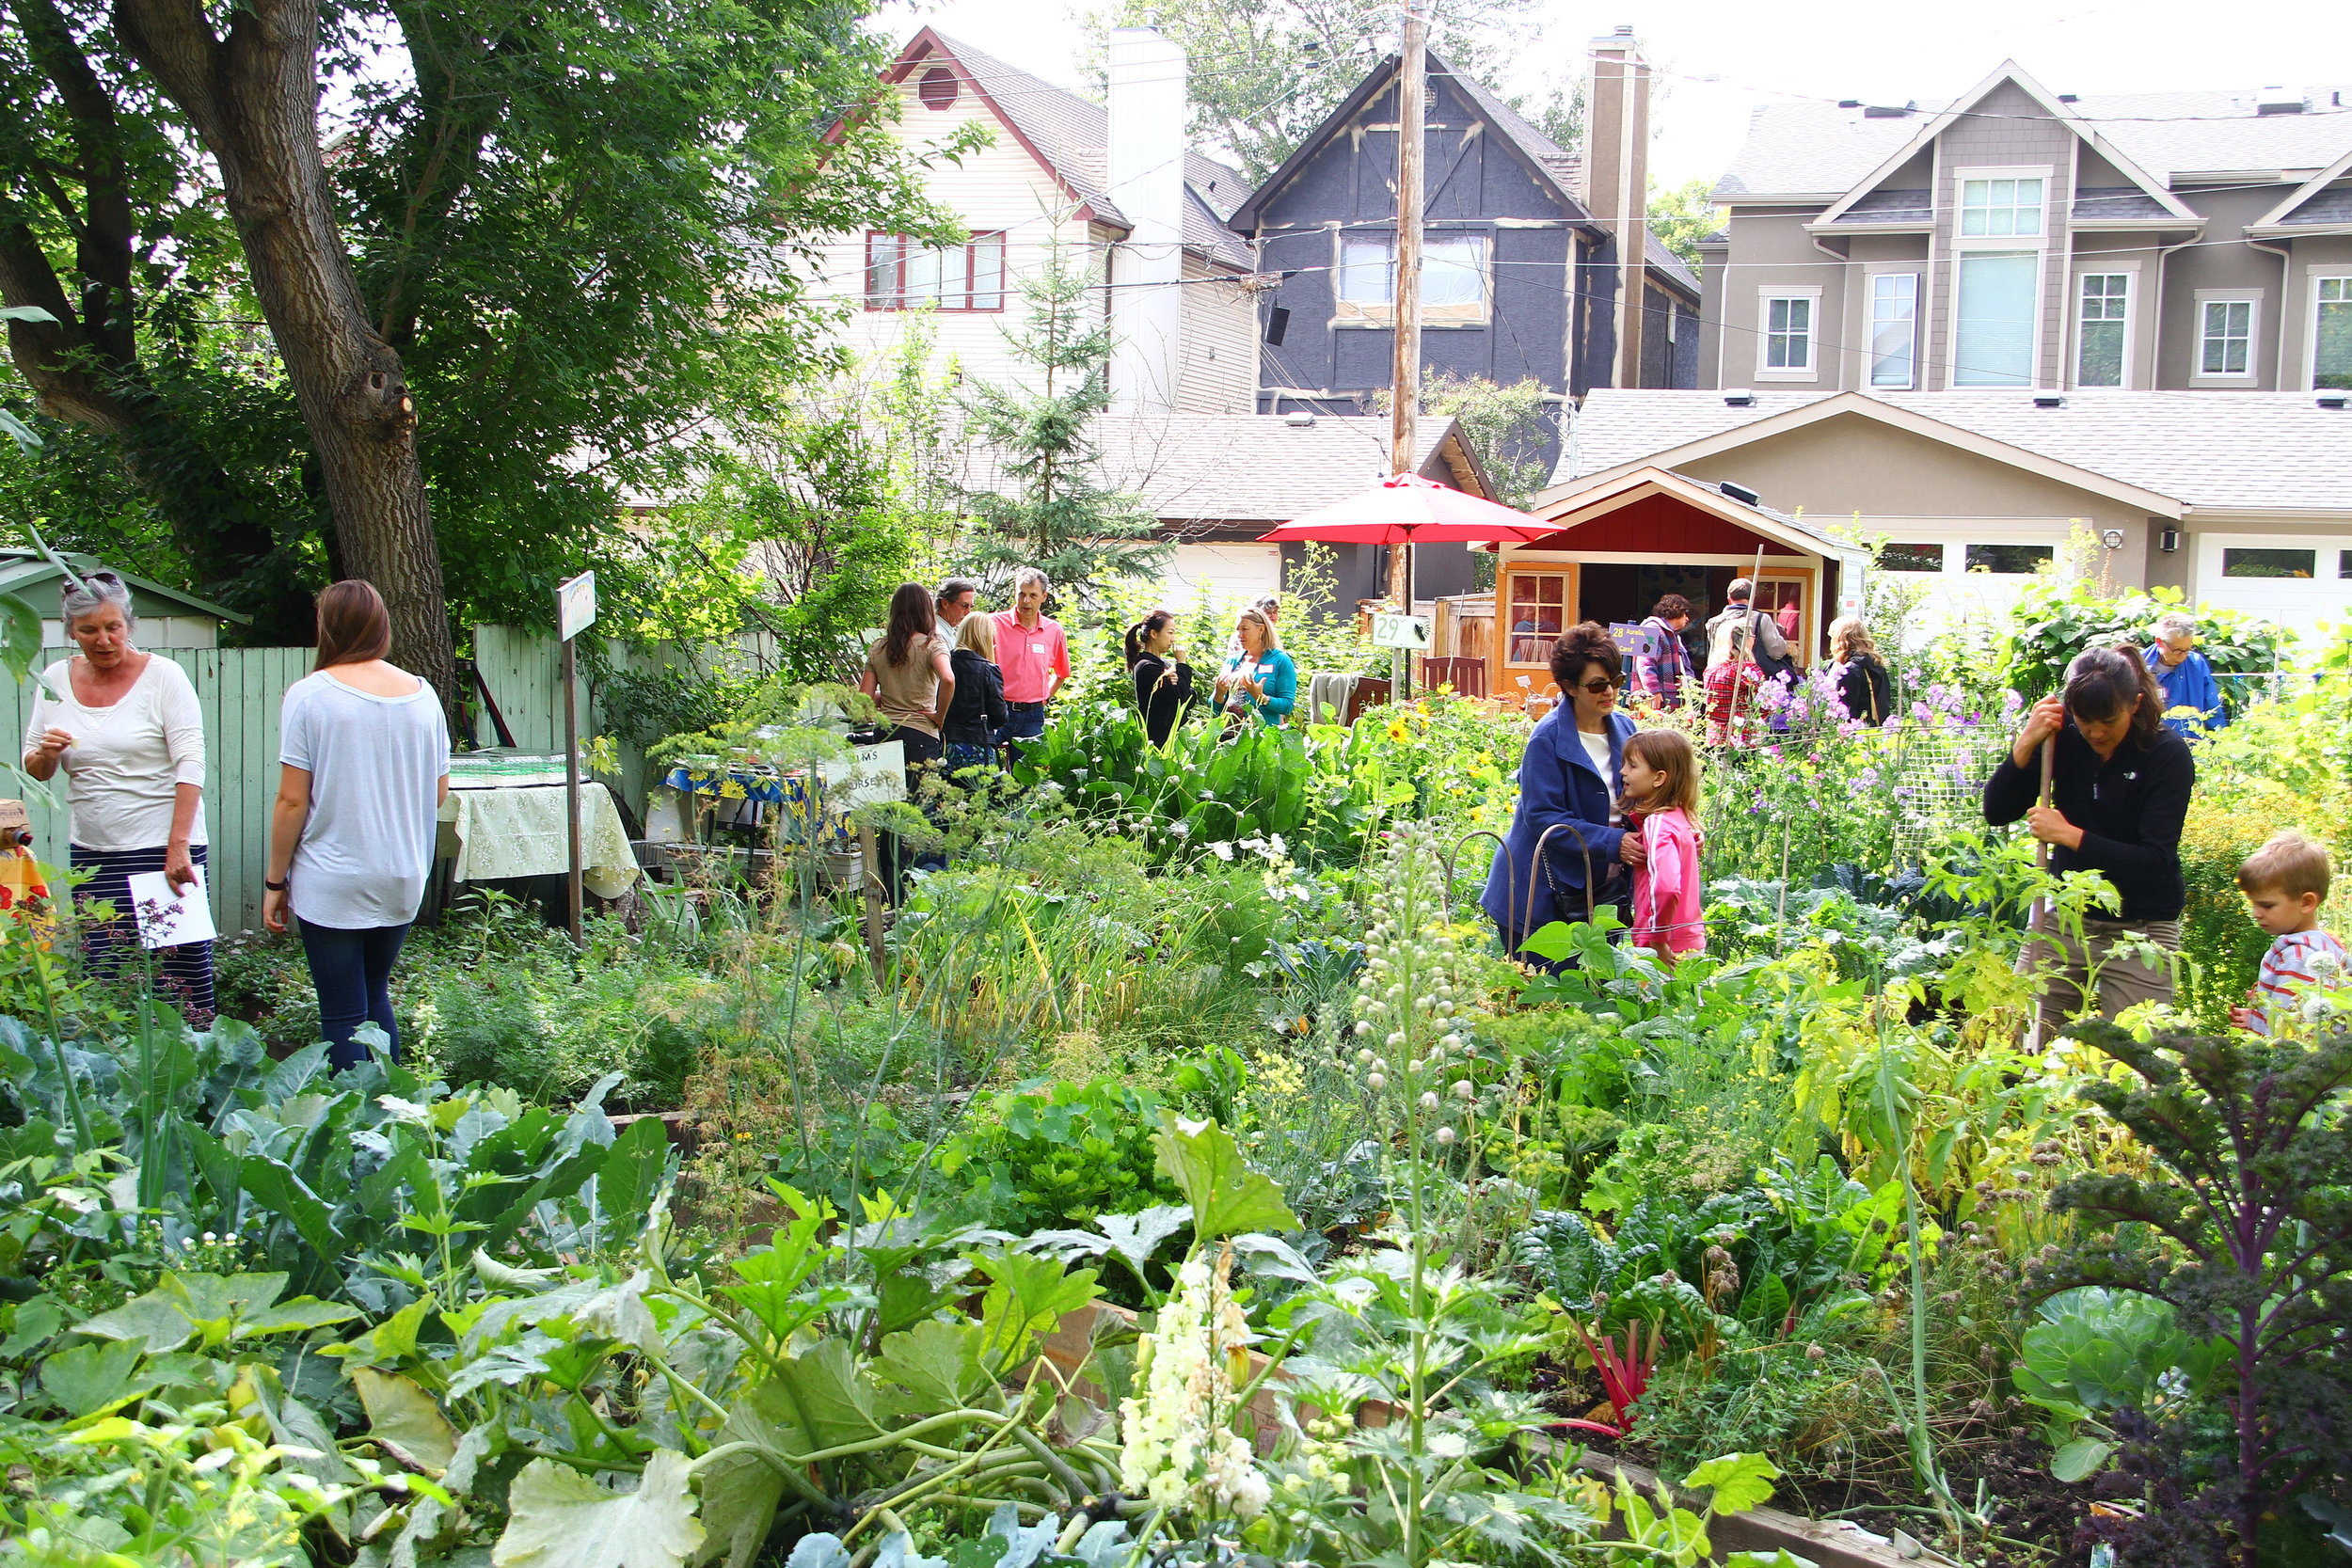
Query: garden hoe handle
[2040, 863]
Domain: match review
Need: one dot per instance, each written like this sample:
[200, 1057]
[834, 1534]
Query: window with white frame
[1788, 330]
[2001, 206]
[1893, 328]
[2102, 317]
[2331, 332]
[902, 274]
[1993, 320]
[2225, 338]
[1452, 278]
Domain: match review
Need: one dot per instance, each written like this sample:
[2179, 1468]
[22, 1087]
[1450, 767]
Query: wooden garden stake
[869, 881]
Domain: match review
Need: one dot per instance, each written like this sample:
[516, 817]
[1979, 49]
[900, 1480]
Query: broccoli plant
[2242, 1222]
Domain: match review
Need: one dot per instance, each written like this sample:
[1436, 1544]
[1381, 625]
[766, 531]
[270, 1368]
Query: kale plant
[2244, 1228]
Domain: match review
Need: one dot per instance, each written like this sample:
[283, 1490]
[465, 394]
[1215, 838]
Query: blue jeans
[351, 971]
[1023, 723]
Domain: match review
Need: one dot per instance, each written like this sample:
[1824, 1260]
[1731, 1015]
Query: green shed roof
[29, 572]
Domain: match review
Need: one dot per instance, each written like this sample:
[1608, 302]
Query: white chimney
[1146, 185]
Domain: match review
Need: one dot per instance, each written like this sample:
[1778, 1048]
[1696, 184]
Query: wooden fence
[240, 690]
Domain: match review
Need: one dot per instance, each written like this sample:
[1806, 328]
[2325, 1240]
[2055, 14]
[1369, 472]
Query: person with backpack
[1757, 635]
[1863, 683]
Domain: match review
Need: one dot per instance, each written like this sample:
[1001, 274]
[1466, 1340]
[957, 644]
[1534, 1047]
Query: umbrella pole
[1405, 379]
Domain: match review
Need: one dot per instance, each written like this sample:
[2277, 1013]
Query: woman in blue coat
[1569, 780]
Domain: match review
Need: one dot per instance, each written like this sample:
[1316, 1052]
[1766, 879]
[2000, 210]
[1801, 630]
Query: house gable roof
[2317, 205]
[1605, 493]
[1070, 140]
[1812, 150]
[1201, 469]
[2167, 452]
[2010, 74]
[1554, 167]
[23, 569]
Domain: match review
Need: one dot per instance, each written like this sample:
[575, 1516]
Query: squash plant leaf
[1742, 1482]
[403, 1417]
[1228, 1197]
[1027, 1296]
[561, 1519]
[89, 1379]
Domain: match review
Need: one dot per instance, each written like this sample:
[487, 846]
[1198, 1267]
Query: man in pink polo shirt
[1033, 653]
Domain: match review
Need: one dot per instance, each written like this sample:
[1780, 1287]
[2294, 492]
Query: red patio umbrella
[1407, 509]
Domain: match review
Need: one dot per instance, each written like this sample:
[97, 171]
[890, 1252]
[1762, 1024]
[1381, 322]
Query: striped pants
[184, 975]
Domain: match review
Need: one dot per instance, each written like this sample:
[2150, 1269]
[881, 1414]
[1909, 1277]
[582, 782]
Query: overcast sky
[1721, 58]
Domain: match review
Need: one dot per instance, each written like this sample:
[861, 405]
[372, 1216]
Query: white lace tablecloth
[520, 832]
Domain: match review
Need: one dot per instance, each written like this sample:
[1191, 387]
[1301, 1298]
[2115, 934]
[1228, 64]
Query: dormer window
[2000, 207]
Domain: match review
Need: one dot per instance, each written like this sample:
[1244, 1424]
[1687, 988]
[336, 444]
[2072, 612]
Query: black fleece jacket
[2130, 809]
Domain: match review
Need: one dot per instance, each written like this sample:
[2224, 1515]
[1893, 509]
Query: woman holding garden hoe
[125, 727]
[2120, 788]
[1570, 782]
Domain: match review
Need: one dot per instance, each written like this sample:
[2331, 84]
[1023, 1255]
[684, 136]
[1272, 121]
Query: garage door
[2300, 580]
[1966, 574]
[1225, 572]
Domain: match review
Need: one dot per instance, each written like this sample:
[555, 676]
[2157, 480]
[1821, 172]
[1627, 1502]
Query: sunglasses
[1599, 683]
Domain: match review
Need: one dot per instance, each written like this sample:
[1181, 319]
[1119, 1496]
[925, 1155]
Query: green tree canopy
[587, 236]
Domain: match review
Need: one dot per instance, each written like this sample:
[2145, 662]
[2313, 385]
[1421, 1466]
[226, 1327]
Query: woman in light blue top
[1259, 678]
[363, 750]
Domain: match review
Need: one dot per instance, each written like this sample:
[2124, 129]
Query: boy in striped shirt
[2285, 883]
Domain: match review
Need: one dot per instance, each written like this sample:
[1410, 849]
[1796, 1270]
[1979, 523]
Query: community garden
[1187, 1179]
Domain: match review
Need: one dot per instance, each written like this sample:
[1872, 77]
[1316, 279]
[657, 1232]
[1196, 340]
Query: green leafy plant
[2096, 1350]
[2244, 1228]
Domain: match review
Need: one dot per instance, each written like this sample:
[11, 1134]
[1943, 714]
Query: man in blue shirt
[2185, 674]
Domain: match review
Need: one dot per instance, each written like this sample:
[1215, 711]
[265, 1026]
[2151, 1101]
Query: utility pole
[1412, 95]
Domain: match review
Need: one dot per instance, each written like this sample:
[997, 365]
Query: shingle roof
[2253, 449]
[1238, 467]
[2099, 204]
[1884, 206]
[1074, 136]
[1815, 147]
[2333, 205]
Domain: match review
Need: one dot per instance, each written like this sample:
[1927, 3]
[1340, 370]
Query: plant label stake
[575, 612]
[2040, 863]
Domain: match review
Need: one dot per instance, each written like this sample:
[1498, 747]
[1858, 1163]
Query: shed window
[1911, 558]
[2015, 560]
[1537, 611]
[2269, 563]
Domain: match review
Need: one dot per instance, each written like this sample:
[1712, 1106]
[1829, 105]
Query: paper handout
[167, 919]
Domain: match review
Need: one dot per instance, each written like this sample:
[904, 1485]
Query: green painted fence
[240, 690]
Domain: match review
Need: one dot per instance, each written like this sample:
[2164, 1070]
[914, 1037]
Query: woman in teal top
[1261, 678]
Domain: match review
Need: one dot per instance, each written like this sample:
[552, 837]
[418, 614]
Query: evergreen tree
[1052, 511]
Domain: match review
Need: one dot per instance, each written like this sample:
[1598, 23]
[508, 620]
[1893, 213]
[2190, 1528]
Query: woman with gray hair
[125, 727]
[2185, 676]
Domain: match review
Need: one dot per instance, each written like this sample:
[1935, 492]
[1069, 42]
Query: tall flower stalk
[1415, 1058]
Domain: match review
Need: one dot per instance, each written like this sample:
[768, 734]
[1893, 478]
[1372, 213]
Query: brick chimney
[1616, 186]
[1146, 185]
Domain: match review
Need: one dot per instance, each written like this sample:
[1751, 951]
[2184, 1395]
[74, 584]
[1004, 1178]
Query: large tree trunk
[252, 97]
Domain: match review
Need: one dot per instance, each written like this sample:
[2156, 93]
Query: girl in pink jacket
[1661, 794]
